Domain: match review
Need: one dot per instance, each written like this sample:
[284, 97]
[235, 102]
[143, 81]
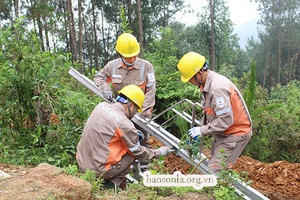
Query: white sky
[241, 11]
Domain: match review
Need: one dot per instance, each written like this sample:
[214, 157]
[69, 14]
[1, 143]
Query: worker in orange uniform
[128, 69]
[226, 116]
[125, 70]
[109, 143]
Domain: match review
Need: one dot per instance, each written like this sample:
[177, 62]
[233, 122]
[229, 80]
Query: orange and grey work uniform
[227, 118]
[119, 75]
[109, 143]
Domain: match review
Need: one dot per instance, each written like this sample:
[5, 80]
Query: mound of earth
[42, 182]
[278, 181]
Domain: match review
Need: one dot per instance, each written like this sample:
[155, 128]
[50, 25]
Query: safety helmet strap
[197, 80]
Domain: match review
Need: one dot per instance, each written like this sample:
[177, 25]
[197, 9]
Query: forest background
[43, 109]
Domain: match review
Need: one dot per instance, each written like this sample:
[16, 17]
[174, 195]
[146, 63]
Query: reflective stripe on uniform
[142, 71]
[150, 84]
[135, 148]
[220, 112]
[114, 68]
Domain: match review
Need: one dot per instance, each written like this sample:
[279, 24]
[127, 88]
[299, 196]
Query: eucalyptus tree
[6, 8]
[80, 33]
[141, 34]
[280, 29]
[212, 57]
[46, 18]
[89, 29]
[189, 38]
[153, 14]
[72, 33]
[162, 11]
[109, 28]
[156, 14]
[217, 32]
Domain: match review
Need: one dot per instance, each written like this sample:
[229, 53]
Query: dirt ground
[278, 181]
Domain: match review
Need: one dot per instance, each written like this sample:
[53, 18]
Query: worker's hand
[107, 94]
[165, 150]
[194, 132]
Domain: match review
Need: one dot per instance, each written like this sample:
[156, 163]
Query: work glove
[107, 94]
[195, 132]
[165, 150]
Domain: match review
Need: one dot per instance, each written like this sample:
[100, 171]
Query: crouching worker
[110, 143]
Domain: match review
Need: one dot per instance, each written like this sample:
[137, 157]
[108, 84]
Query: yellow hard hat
[127, 45]
[190, 64]
[134, 94]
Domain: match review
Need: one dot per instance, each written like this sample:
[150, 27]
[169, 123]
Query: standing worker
[128, 69]
[226, 116]
[110, 143]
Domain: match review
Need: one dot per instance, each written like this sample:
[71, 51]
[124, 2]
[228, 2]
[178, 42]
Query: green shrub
[276, 124]
[42, 113]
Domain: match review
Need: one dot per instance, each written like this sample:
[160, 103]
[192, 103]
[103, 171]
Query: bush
[276, 124]
[41, 119]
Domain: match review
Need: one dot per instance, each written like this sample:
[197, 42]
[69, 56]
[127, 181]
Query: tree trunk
[279, 44]
[46, 26]
[267, 66]
[65, 18]
[212, 45]
[72, 31]
[105, 54]
[289, 62]
[89, 48]
[140, 23]
[165, 15]
[47, 37]
[80, 35]
[95, 36]
[129, 14]
[16, 6]
[40, 30]
[295, 64]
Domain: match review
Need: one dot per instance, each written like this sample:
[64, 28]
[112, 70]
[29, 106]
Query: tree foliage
[39, 115]
[277, 52]
[276, 124]
[43, 110]
[225, 41]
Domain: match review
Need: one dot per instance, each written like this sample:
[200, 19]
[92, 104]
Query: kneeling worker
[110, 143]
